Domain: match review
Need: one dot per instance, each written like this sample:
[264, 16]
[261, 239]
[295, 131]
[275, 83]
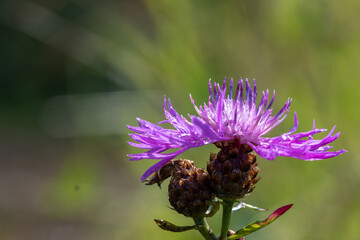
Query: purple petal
[226, 118]
[204, 130]
[296, 124]
[210, 90]
[159, 164]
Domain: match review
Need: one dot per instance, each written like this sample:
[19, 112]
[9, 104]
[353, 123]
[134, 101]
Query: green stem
[204, 229]
[227, 208]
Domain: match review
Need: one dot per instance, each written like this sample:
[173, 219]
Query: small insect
[165, 172]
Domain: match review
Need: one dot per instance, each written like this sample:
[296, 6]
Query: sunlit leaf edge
[252, 227]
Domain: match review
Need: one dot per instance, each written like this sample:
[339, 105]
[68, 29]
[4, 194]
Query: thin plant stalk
[204, 229]
[227, 209]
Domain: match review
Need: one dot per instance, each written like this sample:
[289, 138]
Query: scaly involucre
[224, 118]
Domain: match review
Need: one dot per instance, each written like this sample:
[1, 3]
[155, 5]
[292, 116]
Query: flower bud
[233, 170]
[189, 187]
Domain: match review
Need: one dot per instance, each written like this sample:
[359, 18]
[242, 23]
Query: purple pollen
[225, 118]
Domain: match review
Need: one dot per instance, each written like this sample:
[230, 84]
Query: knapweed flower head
[229, 116]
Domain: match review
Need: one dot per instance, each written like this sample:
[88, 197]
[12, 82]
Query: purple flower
[225, 118]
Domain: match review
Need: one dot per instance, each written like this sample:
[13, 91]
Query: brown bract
[189, 187]
[233, 171]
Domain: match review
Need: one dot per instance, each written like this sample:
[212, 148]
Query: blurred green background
[74, 73]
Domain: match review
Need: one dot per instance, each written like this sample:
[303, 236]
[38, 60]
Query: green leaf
[252, 227]
[168, 226]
